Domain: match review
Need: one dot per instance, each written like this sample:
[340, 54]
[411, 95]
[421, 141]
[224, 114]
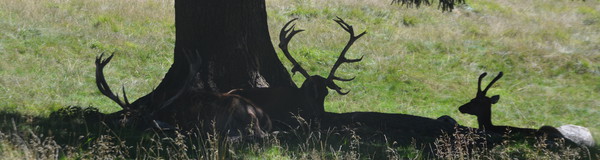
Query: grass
[417, 61]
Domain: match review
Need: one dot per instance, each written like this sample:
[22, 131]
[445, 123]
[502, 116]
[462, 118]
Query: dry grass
[24, 142]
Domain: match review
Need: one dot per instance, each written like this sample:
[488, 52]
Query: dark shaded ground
[374, 133]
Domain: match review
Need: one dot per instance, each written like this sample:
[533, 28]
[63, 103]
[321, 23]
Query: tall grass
[417, 61]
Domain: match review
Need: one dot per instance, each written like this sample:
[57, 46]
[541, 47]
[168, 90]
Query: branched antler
[103, 86]
[285, 35]
[342, 58]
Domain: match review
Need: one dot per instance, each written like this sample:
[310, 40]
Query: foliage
[445, 5]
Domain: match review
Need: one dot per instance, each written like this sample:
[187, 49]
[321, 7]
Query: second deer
[481, 106]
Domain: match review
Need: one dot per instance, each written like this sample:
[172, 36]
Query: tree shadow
[362, 134]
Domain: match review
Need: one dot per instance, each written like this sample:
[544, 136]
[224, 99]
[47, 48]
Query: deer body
[231, 114]
[278, 103]
[481, 106]
[485, 123]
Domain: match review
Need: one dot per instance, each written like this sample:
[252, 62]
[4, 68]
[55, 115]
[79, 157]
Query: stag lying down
[306, 101]
[187, 109]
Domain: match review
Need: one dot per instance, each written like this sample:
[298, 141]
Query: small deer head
[481, 105]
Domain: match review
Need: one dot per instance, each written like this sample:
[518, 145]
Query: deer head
[481, 105]
[315, 86]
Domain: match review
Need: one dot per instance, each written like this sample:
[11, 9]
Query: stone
[577, 134]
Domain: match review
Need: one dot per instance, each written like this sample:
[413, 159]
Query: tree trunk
[232, 38]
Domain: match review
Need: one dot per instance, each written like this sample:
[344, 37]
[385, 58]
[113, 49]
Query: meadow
[421, 61]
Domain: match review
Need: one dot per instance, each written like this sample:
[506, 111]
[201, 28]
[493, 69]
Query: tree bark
[232, 38]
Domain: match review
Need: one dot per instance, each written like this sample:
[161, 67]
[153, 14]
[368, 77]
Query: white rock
[577, 134]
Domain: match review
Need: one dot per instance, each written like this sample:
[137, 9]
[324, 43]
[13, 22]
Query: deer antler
[285, 35]
[479, 91]
[103, 86]
[342, 58]
[491, 83]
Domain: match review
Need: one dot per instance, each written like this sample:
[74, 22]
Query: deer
[280, 103]
[231, 114]
[481, 106]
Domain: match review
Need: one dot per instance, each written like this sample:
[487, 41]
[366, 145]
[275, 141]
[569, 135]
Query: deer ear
[495, 99]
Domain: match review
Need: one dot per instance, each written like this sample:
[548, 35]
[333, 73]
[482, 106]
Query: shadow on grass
[76, 132]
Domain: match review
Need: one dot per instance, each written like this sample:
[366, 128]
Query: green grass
[417, 61]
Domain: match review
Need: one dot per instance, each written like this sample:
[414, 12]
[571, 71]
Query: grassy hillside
[417, 61]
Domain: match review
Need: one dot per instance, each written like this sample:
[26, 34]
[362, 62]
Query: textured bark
[233, 41]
